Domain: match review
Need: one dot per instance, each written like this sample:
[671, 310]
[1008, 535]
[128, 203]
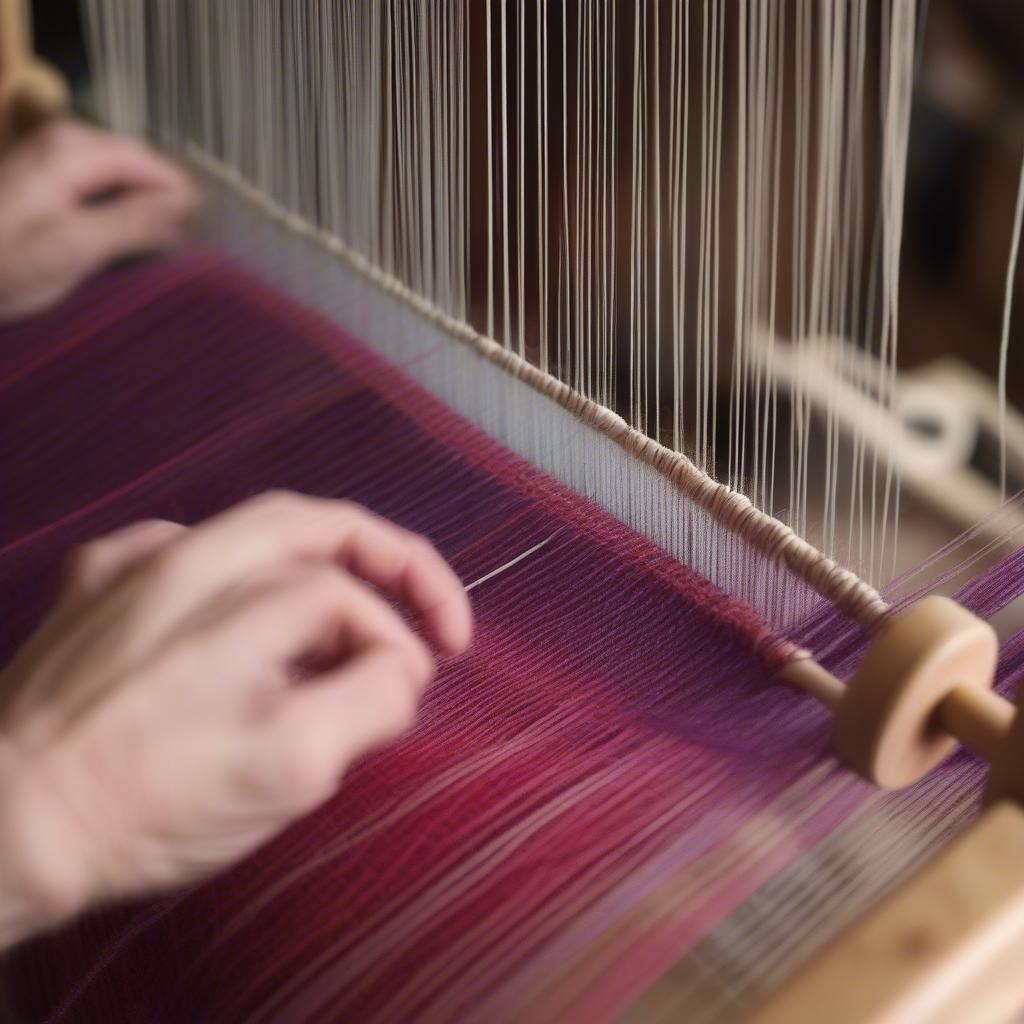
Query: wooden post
[943, 949]
[15, 45]
[30, 91]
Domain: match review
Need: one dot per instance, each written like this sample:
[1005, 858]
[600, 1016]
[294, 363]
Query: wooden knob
[35, 94]
[889, 722]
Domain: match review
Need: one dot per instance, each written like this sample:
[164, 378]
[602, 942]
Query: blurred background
[966, 145]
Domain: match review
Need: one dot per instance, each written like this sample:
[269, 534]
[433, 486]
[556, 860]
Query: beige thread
[733, 510]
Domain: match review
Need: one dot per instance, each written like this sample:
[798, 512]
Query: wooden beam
[944, 948]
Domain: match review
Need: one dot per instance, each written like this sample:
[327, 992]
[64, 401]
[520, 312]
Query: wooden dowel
[945, 948]
[14, 37]
[923, 649]
[979, 718]
[31, 92]
[818, 682]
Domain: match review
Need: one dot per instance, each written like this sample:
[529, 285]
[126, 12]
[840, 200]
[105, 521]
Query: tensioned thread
[732, 510]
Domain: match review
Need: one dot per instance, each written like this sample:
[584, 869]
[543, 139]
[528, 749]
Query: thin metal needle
[508, 565]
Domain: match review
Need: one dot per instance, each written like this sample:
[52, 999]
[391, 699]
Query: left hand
[74, 199]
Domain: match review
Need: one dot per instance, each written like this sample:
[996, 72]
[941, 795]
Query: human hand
[74, 199]
[153, 731]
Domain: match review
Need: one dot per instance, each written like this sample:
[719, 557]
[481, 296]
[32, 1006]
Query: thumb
[101, 561]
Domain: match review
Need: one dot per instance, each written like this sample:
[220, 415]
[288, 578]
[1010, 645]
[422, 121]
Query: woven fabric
[605, 775]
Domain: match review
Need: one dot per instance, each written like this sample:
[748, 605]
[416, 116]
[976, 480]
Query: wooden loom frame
[944, 946]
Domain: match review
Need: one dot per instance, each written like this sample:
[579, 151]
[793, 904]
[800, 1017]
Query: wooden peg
[1006, 780]
[31, 92]
[924, 685]
[890, 722]
[945, 947]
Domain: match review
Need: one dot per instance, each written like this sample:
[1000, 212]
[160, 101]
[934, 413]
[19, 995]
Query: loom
[604, 298]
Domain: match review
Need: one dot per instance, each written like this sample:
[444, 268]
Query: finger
[280, 527]
[238, 651]
[322, 728]
[98, 563]
[410, 570]
[75, 244]
[132, 224]
[88, 161]
[304, 613]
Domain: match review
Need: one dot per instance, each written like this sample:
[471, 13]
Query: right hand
[153, 732]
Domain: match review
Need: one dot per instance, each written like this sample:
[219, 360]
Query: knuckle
[341, 510]
[159, 529]
[84, 561]
[268, 507]
[329, 587]
[168, 560]
[423, 549]
[273, 500]
[311, 588]
[171, 565]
